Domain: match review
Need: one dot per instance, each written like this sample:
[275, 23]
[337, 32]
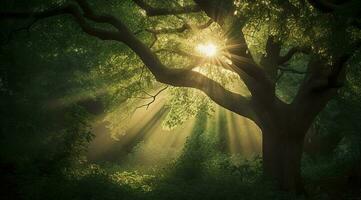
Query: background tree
[282, 30]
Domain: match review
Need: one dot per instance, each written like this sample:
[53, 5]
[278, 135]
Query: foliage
[48, 73]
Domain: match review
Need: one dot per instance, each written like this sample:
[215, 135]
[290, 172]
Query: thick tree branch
[187, 78]
[290, 70]
[283, 59]
[70, 9]
[337, 75]
[108, 19]
[322, 81]
[181, 53]
[222, 12]
[151, 11]
[273, 62]
[175, 77]
[242, 61]
[269, 61]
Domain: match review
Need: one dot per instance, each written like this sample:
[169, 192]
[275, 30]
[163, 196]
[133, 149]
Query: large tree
[320, 29]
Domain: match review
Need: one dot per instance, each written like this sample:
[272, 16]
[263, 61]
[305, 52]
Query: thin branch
[153, 97]
[151, 11]
[181, 29]
[154, 40]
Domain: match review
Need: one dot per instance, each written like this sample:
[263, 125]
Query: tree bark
[282, 160]
[283, 133]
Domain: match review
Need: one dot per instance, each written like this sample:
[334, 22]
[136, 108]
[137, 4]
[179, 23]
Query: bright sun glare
[208, 50]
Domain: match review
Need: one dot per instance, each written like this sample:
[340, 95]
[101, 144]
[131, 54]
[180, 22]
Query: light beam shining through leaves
[208, 50]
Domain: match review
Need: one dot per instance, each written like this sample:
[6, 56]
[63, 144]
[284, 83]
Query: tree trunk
[282, 160]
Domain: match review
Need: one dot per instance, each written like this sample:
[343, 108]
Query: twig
[153, 97]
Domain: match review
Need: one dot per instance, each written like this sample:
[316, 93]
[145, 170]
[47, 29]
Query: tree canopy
[276, 63]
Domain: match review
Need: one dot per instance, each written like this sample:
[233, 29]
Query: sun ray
[147, 142]
[209, 49]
